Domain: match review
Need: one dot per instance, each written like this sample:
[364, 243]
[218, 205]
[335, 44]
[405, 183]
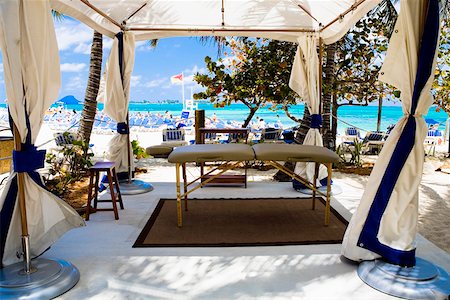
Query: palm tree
[90, 98]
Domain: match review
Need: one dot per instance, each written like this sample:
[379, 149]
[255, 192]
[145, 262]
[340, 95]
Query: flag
[177, 78]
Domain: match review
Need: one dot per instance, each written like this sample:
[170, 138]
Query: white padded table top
[212, 152]
[294, 153]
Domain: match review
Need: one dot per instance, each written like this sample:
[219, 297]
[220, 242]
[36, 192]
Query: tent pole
[129, 149]
[320, 77]
[22, 208]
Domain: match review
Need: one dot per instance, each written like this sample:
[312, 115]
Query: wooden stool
[94, 172]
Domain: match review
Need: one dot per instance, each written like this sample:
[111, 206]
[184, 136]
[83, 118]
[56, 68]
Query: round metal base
[135, 187]
[51, 279]
[423, 281]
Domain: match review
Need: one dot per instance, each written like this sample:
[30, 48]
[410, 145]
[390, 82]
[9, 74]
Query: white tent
[277, 19]
[284, 19]
[290, 20]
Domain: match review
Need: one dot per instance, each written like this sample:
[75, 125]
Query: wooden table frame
[225, 166]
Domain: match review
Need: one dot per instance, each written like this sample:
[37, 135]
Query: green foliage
[138, 151]
[256, 73]
[68, 165]
[355, 152]
[441, 84]
[359, 57]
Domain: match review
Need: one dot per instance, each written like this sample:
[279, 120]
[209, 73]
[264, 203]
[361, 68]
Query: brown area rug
[241, 222]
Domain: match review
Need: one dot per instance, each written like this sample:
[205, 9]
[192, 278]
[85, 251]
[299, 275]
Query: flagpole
[182, 90]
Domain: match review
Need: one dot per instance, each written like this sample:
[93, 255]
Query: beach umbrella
[31, 218]
[305, 82]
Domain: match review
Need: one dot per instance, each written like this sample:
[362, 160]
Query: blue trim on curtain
[316, 121]
[119, 37]
[6, 216]
[368, 237]
[122, 128]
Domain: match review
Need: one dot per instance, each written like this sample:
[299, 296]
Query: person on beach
[261, 124]
[214, 118]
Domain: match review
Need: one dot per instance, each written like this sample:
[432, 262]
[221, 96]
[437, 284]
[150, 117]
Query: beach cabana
[308, 23]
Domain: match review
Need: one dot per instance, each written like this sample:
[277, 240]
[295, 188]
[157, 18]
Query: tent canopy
[277, 19]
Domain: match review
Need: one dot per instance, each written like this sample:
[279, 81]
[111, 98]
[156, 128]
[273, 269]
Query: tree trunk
[329, 140]
[334, 122]
[380, 106]
[250, 116]
[304, 126]
[90, 98]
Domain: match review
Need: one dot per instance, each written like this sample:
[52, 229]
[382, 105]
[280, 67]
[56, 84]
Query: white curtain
[32, 80]
[116, 97]
[398, 223]
[305, 82]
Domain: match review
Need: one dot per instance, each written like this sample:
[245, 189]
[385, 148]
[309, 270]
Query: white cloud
[155, 82]
[72, 67]
[71, 34]
[143, 46]
[83, 48]
[135, 80]
[107, 43]
[75, 83]
[195, 70]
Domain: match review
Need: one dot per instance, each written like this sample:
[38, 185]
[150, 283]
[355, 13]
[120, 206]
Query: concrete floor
[111, 269]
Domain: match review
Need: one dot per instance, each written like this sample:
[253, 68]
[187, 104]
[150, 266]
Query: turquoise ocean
[364, 117]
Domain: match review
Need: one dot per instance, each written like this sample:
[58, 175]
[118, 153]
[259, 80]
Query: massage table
[231, 156]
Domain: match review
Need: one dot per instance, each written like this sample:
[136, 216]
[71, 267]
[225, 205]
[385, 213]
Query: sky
[152, 70]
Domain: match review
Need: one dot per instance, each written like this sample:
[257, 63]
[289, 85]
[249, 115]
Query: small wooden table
[225, 179]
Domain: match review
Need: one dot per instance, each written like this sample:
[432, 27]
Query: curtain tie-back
[28, 159]
[122, 128]
[316, 121]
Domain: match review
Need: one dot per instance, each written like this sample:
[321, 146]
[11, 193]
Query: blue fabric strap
[29, 159]
[368, 237]
[6, 216]
[119, 37]
[316, 121]
[122, 128]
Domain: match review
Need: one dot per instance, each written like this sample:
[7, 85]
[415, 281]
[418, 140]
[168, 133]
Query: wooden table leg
[179, 211]
[327, 207]
[116, 180]
[97, 179]
[113, 195]
[316, 174]
[185, 187]
[91, 185]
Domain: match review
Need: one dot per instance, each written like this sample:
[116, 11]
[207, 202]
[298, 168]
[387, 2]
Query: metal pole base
[51, 279]
[135, 187]
[423, 281]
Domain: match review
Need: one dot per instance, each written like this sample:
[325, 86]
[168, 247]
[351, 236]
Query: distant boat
[68, 100]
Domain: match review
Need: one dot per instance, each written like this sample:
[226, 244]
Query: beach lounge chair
[434, 137]
[64, 138]
[373, 142]
[351, 135]
[270, 135]
[174, 137]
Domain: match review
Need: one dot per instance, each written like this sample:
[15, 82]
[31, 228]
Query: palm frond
[57, 15]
